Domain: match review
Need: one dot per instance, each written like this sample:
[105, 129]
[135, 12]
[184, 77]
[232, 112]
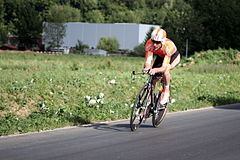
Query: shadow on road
[117, 127]
[230, 106]
[219, 101]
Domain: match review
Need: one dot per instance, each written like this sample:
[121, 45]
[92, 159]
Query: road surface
[205, 134]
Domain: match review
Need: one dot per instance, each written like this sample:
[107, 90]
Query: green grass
[39, 92]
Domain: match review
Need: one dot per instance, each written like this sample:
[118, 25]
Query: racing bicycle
[147, 103]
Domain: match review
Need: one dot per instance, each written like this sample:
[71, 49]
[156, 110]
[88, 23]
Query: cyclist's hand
[146, 70]
[153, 71]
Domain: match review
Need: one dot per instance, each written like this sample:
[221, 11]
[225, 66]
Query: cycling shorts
[159, 60]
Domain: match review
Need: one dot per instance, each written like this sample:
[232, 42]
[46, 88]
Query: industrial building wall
[129, 35]
[143, 30]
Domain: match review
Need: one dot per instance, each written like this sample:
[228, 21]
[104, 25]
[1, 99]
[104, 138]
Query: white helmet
[159, 35]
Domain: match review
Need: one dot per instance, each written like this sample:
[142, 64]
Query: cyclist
[167, 58]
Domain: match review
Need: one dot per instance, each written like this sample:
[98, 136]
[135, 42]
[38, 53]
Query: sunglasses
[156, 42]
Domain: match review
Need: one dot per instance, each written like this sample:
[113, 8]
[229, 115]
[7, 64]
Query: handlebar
[137, 73]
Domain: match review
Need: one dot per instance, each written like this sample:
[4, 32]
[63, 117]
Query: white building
[129, 35]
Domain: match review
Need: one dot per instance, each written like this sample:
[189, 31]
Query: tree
[156, 4]
[43, 6]
[1, 11]
[94, 16]
[63, 13]
[3, 28]
[221, 21]
[53, 34]
[55, 30]
[182, 25]
[28, 25]
[132, 4]
[120, 14]
[155, 17]
[85, 6]
[3, 34]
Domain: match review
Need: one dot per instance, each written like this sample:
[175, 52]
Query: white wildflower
[32, 80]
[113, 81]
[51, 93]
[44, 107]
[92, 102]
[101, 95]
[99, 100]
[173, 100]
[97, 106]
[132, 105]
[87, 98]
[126, 105]
[111, 111]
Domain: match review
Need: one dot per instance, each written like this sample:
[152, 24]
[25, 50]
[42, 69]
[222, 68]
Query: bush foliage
[108, 44]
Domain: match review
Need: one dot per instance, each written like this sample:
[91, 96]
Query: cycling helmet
[159, 35]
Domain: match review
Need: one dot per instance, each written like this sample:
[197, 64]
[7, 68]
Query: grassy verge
[39, 92]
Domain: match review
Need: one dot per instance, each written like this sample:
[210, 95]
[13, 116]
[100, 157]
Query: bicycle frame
[143, 109]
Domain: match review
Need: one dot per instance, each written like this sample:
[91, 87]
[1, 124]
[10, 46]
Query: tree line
[199, 24]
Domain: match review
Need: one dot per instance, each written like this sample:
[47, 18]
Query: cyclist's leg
[175, 59]
[157, 64]
[166, 91]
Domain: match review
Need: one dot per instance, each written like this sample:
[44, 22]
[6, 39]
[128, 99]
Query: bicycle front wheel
[138, 109]
[158, 113]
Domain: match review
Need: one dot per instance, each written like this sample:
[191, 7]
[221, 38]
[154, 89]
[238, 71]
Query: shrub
[108, 44]
[139, 50]
[80, 47]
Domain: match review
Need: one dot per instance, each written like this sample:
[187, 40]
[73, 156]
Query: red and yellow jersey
[168, 48]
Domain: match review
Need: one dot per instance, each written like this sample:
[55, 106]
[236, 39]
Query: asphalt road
[206, 134]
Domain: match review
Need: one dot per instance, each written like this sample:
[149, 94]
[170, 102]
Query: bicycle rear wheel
[138, 109]
[158, 113]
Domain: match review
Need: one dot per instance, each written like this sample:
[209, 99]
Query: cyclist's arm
[148, 60]
[165, 65]
[166, 62]
[175, 62]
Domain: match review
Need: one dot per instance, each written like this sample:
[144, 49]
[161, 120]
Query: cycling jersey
[168, 48]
